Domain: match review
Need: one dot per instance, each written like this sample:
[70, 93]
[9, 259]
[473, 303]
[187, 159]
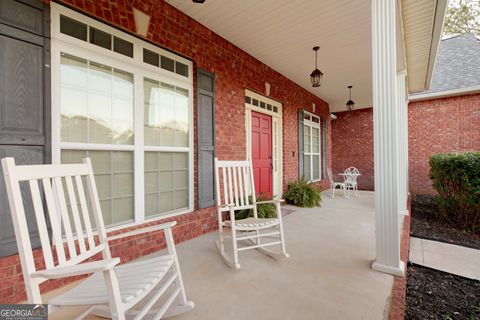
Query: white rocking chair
[239, 194]
[113, 291]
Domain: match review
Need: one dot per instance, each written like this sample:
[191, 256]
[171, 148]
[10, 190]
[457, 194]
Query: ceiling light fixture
[316, 75]
[350, 104]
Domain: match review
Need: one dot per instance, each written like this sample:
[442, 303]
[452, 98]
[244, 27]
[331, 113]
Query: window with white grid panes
[133, 118]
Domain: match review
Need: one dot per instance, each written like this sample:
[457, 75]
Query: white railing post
[386, 135]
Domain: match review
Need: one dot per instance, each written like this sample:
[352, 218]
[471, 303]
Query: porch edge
[399, 288]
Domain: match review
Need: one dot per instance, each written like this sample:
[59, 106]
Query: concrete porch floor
[328, 275]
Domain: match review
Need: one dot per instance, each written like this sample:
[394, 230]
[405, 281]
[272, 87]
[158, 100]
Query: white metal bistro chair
[335, 184]
[114, 291]
[239, 194]
[350, 176]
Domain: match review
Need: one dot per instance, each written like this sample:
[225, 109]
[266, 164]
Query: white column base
[404, 212]
[396, 271]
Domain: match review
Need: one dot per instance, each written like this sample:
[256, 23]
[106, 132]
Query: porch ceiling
[282, 33]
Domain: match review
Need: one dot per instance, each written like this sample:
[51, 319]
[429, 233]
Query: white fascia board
[444, 94]
[440, 13]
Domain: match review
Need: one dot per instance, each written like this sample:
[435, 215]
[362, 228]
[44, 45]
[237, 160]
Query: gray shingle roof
[457, 65]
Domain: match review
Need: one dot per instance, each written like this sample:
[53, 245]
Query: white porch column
[386, 136]
[402, 115]
[405, 138]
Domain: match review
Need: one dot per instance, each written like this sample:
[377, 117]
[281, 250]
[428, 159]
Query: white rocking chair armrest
[154, 228]
[76, 270]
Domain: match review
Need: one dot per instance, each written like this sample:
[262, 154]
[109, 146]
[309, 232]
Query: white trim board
[444, 94]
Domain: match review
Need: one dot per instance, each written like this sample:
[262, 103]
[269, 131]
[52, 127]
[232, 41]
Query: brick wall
[439, 126]
[435, 126]
[235, 70]
[352, 145]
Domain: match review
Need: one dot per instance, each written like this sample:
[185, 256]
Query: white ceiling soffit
[423, 23]
[282, 33]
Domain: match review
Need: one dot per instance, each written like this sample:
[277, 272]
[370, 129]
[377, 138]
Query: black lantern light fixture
[316, 75]
[350, 104]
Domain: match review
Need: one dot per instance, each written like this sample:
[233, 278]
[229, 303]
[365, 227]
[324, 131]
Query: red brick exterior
[352, 145]
[235, 71]
[439, 126]
[435, 126]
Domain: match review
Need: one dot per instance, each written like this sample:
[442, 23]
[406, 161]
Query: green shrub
[264, 210]
[456, 177]
[301, 193]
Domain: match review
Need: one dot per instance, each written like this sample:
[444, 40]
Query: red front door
[262, 153]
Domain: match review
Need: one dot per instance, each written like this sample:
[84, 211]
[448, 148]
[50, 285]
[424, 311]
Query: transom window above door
[132, 118]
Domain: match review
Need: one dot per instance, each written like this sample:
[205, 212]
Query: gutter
[444, 94]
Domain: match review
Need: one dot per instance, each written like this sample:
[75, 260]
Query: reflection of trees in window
[166, 114]
[74, 129]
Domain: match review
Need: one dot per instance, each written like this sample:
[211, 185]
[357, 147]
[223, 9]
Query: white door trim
[277, 137]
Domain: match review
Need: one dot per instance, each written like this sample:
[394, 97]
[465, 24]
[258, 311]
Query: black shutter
[206, 138]
[300, 144]
[24, 100]
[324, 149]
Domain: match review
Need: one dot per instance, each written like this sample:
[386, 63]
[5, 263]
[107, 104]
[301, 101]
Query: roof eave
[440, 12]
[423, 24]
[444, 94]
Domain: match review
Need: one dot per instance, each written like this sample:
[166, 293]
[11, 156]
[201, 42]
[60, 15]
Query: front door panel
[262, 153]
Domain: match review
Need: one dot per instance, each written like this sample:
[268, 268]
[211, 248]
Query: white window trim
[312, 124]
[136, 66]
[277, 123]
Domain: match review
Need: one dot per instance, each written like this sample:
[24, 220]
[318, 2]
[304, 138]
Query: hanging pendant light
[350, 104]
[316, 75]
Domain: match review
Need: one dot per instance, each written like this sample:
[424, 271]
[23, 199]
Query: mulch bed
[433, 294]
[426, 225]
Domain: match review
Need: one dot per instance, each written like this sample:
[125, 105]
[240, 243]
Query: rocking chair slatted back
[48, 194]
[237, 184]
[238, 190]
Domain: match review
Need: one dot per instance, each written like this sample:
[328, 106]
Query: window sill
[119, 227]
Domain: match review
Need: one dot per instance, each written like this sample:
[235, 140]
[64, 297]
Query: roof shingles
[457, 65]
